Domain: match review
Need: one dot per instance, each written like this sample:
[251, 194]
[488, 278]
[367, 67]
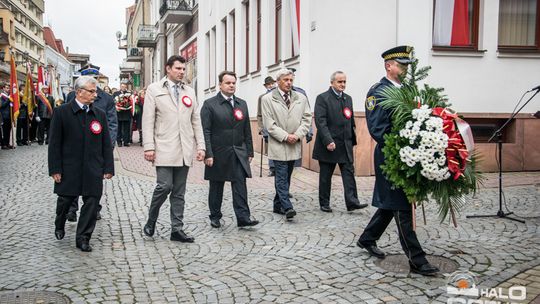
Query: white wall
[61, 64]
[350, 35]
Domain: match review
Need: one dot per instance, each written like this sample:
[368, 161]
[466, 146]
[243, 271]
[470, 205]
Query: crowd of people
[34, 127]
[177, 130]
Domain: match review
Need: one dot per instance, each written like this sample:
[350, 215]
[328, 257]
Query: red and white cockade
[96, 127]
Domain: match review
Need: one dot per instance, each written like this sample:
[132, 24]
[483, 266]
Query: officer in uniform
[392, 203]
[336, 136]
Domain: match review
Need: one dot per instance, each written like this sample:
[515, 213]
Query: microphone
[535, 88]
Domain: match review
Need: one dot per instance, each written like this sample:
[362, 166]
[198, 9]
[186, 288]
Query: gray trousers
[170, 180]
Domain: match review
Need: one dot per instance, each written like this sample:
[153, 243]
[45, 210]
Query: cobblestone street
[312, 259]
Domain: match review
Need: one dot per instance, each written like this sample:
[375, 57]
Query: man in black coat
[80, 157]
[229, 150]
[336, 136]
[391, 203]
[105, 103]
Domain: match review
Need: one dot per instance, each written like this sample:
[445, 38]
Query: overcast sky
[89, 27]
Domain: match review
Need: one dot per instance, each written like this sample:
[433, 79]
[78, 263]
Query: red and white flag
[295, 25]
[451, 23]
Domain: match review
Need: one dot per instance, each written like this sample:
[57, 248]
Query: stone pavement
[312, 259]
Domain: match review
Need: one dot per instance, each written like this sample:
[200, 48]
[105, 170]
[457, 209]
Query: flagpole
[13, 127]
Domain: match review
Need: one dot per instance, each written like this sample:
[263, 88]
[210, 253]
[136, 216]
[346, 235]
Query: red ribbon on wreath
[456, 152]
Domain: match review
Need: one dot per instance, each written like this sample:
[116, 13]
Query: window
[519, 25]
[246, 14]
[207, 55]
[258, 35]
[455, 24]
[278, 31]
[225, 53]
[233, 32]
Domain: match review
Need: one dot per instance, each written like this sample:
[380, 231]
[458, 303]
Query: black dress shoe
[98, 216]
[425, 269]
[356, 206]
[181, 236]
[59, 233]
[290, 213]
[84, 246]
[271, 173]
[215, 223]
[127, 145]
[149, 229]
[71, 217]
[280, 211]
[248, 224]
[372, 249]
[326, 209]
[290, 195]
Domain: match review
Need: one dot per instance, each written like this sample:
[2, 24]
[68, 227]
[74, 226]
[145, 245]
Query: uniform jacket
[104, 102]
[5, 106]
[379, 122]
[228, 139]
[281, 121]
[333, 126]
[171, 128]
[42, 110]
[79, 154]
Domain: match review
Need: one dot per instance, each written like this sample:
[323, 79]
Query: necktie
[85, 108]
[231, 101]
[176, 93]
[286, 98]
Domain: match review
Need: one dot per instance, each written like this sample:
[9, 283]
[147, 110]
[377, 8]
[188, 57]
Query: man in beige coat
[172, 127]
[287, 117]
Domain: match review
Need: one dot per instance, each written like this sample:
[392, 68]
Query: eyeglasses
[90, 91]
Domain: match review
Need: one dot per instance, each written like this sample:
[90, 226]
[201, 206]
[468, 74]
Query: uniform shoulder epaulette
[375, 86]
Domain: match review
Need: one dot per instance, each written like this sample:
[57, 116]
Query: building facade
[56, 61]
[484, 69]
[30, 45]
[7, 39]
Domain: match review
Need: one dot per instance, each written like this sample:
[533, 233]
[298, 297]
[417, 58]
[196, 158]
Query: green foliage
[448, 194]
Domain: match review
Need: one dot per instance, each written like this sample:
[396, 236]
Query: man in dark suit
[392, 203]
[5, 113]
[336, 136]
[105, 103]
[123, 136]
[229, 150]
[80, 157]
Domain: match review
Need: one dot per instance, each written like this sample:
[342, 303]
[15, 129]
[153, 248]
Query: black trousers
[21, 133]
[349, 183]
[6, 132]
[239, 196]
[407, 236]
[75, 205]
[43, 130]
[87, 220]
[124, 132]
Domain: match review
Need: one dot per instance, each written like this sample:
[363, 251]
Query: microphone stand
[498, 134]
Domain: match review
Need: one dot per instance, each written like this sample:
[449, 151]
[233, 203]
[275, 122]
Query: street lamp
[25, 55]
[118, 37]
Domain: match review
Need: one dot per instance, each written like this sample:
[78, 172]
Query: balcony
[130, 67]
[147, 35]
[134, 54]
[176, 11]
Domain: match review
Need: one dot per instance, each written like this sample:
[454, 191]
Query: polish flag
[451, 24]
[295, 25]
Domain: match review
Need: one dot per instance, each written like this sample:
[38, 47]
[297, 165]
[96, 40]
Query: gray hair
[333, 76]
[283, 72]
[82, 81]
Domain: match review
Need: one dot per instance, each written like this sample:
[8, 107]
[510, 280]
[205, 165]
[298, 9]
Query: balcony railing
[176, 11]
[147, 35]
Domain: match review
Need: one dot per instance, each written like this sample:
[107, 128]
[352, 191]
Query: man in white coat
[287, 117]
[172, 126]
